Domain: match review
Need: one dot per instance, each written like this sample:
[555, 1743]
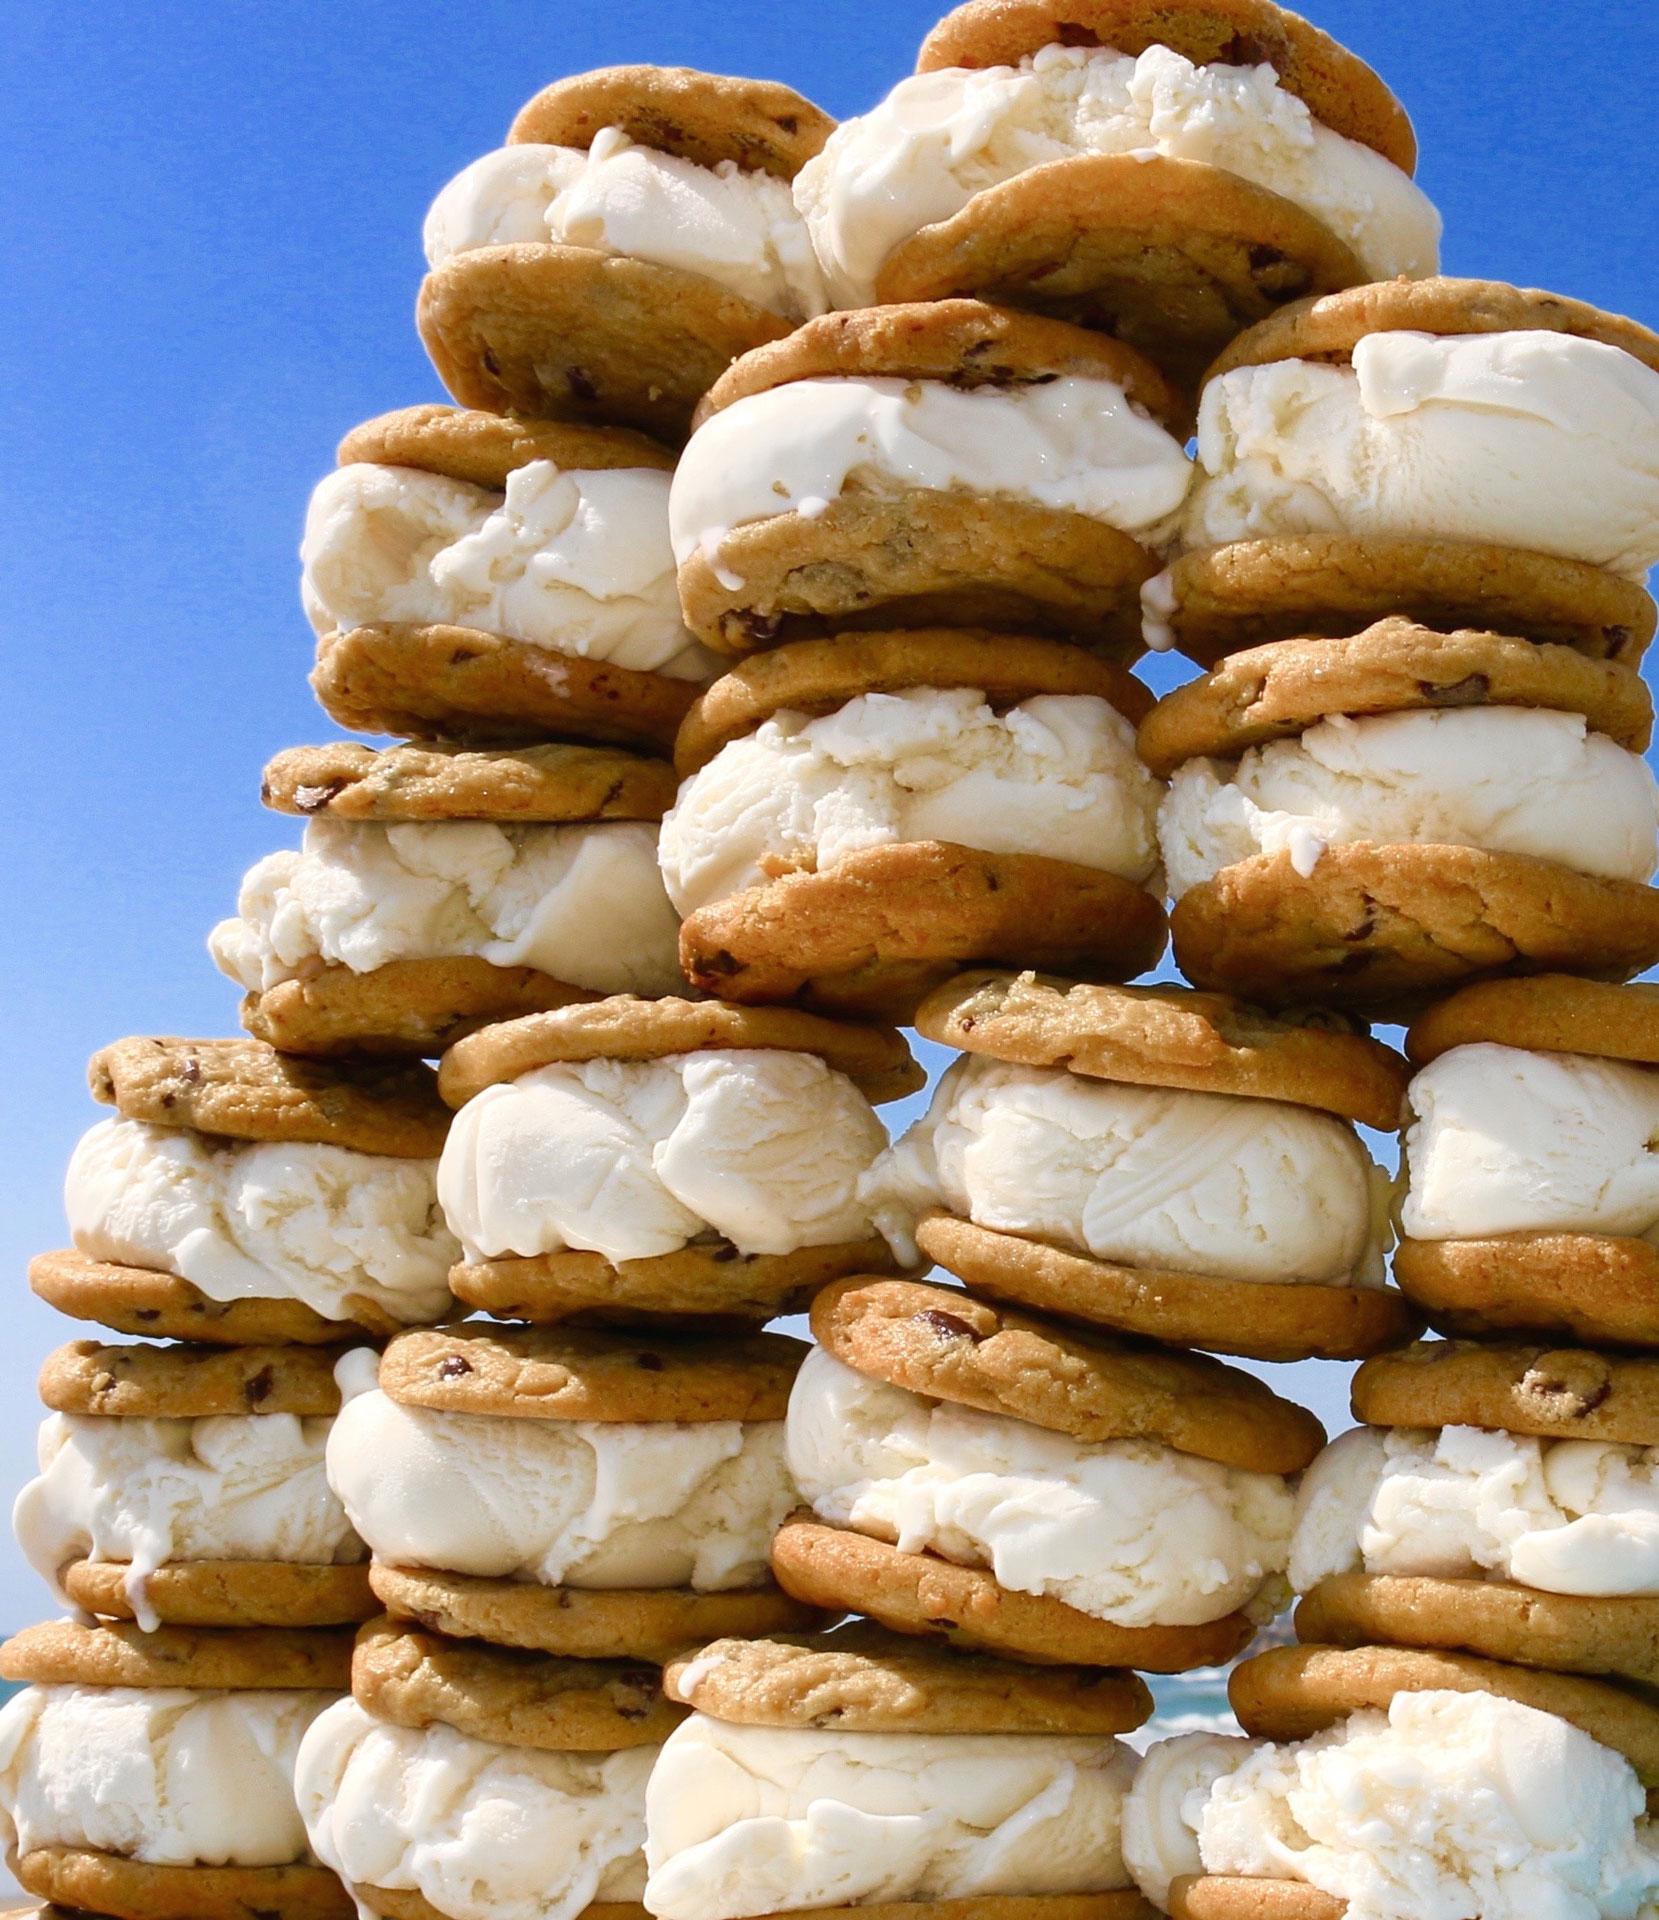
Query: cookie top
[411, 1677]
[966, 342]
[1545, 1013]
[1556, 1393]
[1169, 1037]
[248, 1091]
[946, 1345]
[483, 448]
[591, 1373]
[1328, 326]
[116, 1654]
[859, 1678]
[348, 781]
[188, 1382]
[820, 676]
[763, 125]
[1276, 691]
[877, 1060]
[1336, 85]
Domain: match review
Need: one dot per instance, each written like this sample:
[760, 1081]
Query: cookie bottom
[87, 1881]
[1215, 1896]
[1257, 1320]
[227, 1593]
[160, 1306]
[836, 1569]
[398, 1905]
[1602, 1289]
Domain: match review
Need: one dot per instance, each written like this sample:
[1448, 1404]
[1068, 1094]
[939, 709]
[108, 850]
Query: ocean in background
[1186, 1703]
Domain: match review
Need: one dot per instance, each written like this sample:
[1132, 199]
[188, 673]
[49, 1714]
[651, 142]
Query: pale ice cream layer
[739, 229]
[584, 903]
[940, 138]
[750, 1820]
[1143, 1176]
[1534, 439]
[634, 1158]
[148, 1492]
[576, 1503]
[1124, 1530]
[170, 1776]
[1075, 444]
[1506, 1141]
[1451, 1805]
[575, 562]
[1460, 1503]
[264, 1220]
[1505, 779]
[480, 1831]
[1057, 775]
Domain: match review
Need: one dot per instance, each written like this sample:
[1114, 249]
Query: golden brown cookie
[515, 1697]
[568, 333]
[484, 448]
[429, 682]
[190, 1383]
[1336, 86]
[583, 1623]
[115, 1654]
[877, 1060]
[1382, 929]
[861, 1678]
[1550, 1013]
[944, 1344]
[1564, 1393]
[83, 1881]
[249, 1091]
[403, 1903]
[585, 1373]
[1165, 1036]
[706, 118]
[347, 781]
[820, 676]
[1291, 1693]
[227, 1593]
[920, 1593]
[878, 931]
[1277, 691]
[1251, 592]
[161, 1306]
[1600, 1289]
[1218, 1896]
[1255, 1319]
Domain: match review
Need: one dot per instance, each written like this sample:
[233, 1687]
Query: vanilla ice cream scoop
[576, 562]
[1506, 779]
[1057, 775]
[749, 1820]
[480, 1831]
[1124, 1530]
[634, 1158]
[562, 1502]
[1506, 1141]
[1149, 1176]
[939, 138]
[584, 903]
[264, 1220]
[166, 1775]
[1533, 439]
[736, 228]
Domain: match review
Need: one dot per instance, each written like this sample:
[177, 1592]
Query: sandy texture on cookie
[348, 781]
[919, 1593]
[227, 1593]
[251, 1092]
[1562, 1393]
[1217, 1896]
[83, 1881]
[483, 448]
[116, 1654]
[160, 1305]
[189, 1383]
[1550, 1013]
[1602, 1289]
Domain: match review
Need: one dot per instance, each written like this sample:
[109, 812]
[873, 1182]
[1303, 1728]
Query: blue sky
[209, 219]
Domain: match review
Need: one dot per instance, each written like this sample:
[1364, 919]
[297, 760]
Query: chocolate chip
[648, 1362]
[491, 364]
[459, 656]
[314, 799]
[788, 122]
[1069, 34]
[947, 1326]
[452, 1366]
[1467, 692]
[259, 1387]
[1246, 50]
[580, 385]
[191, 1072]
[725, 1252]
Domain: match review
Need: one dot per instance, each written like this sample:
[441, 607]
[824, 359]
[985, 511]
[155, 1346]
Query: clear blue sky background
[209, 250]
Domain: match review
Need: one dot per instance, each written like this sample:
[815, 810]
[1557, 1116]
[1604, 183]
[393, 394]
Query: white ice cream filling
[939, 138]
[1057, 776]
[1520, 780]
[1144, 1176]
[748, 1820]
[737, 228]
[573, 562]
[583, 902]
[635, 1158]
[1537, 440]
[1129, 1531]
[264, 1220]
[481, 1831]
